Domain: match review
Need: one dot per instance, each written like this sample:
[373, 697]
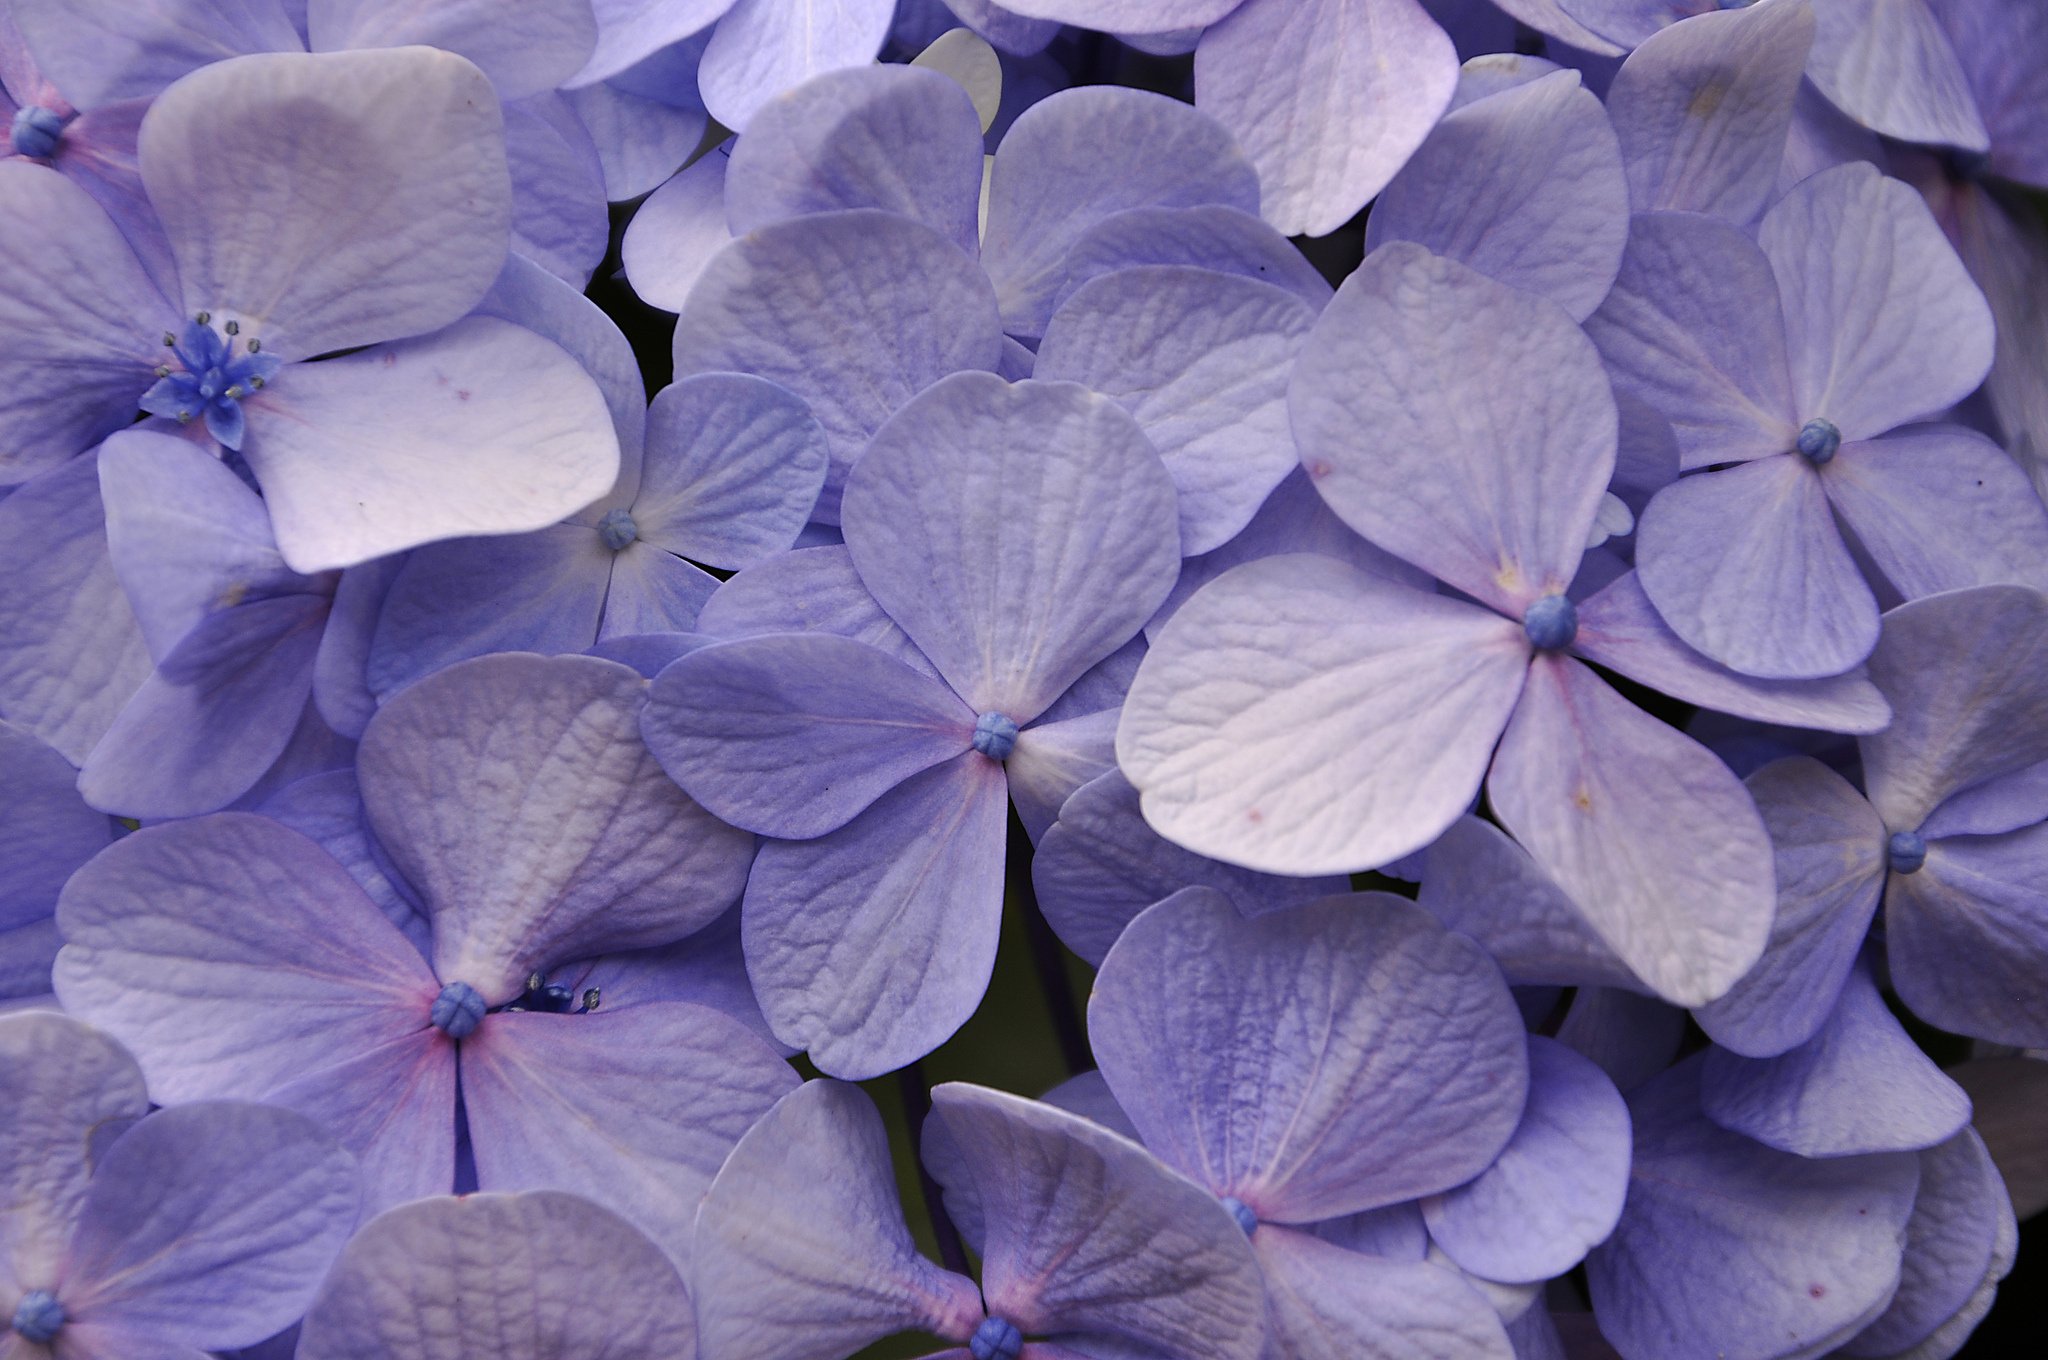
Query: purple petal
[1828, 848]
[1052, 181]
[1632, 819]
[642, 141]
[1549, 17]
[802, 1250]
[854, 312]
[559, 223]
[653, 591]
[1693, 329]
[98, 51]
[1631, 1037]
[515, 1277]
[2001, 803]
[792, 735]
[1087, 1233]
[48, 831]
[514, 792]
[1967, 936]
[808, 590]
[676, 231]
[1940, 507]
[871, 945]
[210, 1225]
[328, 809]
[1019, 533]
[1327, 1303]
[632, 1109]
[1300, 716]
[1619, 628]
[1099, 865]
[1124, 16]
[1053, 759]
[734, 465]
[483, 428]
[267, 243]
[764, 47]
[1703, 109]
[1524, 186]
[1201, 360]
[630, 31]
[900, 138]
[2000, 48]
[1310, 1063]
[1434, 482]
[1882, 322]
[1746, 565]
[341, 689]
[1207, 236]
[527, 50]
[1888, 65]
[1327, 99]
[1729, 1247]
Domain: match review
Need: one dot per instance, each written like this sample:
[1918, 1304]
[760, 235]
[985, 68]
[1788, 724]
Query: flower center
[458, 1010]
[1906, 851]
[213, 378]
[36, 130]
[995, 736]
[617, 529]
[1819, 441]
[1551, 623]
[1242, 1212]
[38, 1317]
[996, 1339]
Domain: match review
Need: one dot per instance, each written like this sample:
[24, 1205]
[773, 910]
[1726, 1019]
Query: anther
[591, 996]
[1819, 441]
[1551, 623]
[458, 1010]
[255, 347]
[233, 328]
[1905, 852]
[203, 318]
[39, 1317]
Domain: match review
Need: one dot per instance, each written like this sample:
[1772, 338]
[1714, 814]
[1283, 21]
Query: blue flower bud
[617, 529]
[214, 380]
[38, 1317]
[36, 130]
[458, 1010]
[1818, 441]
[1242, 1212]
[996, 1339]
[1551, 623]
[995, 736]
[1906, 851]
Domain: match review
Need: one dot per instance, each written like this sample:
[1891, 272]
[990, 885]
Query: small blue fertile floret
[617, 529]
[1906, 851]
[1551, 623]
[36, 130]
[995, 736]
[1242, 1212]
[996, 1339]
[1818, 441]
[213, 381]
[38, 1317]
[458, 1010]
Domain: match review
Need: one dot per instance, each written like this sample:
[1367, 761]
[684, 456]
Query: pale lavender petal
[1328, 98]
[525, 49]
[341, 687]
[1019, 533]
[500, 1277]
[1088, 1233]
[1828, 849]
[1620, 629]
[2000, 47]
[630, 31]
[653, 591]
[1889, 65]
[792, 735]
[649, 653]
[288, 244]
[1003, 28]
[1632, 1037]
[870, 946]
[1300, 716]
[959, 54]
[1099, 865]
[1632, 818]
[1957, 725]
[1207, 236]
[1967, 936]
[1480, 883]
[676, 231]
[1201, 360]
[1882, 322]
[2001, 803]
[802, 1251]
[1051, 182]
[98, 51]
[809, 590]
[1309, 1063]
[210, 1225]
[48, 831]
[1940, 507]
[1730, 1247]
[1136, 17]
[515, 794]
[1703, 110]
[641, 141]
[633, 1109]
[483, 428]
[1693, 329]
[1815, 1100]
[855, 312]
[763, 47]
[1329, 1303]
[734, 466]
[900, 138]
[1408, 439]
[1052, 759]
[1747, 567]
[328, 809]
[559, 222]
[1525, 186]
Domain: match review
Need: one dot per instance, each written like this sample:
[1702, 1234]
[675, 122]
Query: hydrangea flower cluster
[1527, 701]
